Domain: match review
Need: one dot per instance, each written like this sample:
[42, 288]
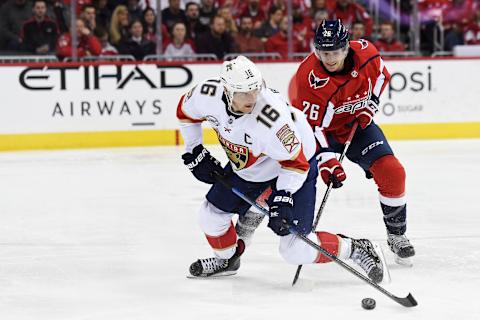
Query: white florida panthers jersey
[274, 140]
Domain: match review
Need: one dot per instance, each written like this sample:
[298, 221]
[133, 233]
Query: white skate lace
[399, 241]
[211, 265]
[363, 256]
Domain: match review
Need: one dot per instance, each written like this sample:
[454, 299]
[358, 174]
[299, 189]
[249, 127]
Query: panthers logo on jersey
[237, 154]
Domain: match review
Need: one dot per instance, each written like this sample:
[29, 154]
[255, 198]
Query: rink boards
[125, 104]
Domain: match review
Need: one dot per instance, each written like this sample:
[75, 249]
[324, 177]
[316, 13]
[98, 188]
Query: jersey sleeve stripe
[182, 116]
[298, 163]
[369, 59]
[387, 76]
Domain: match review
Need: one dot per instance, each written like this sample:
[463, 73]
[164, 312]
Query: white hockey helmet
[240, 75]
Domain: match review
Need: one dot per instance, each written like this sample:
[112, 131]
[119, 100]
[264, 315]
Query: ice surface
[109, 234]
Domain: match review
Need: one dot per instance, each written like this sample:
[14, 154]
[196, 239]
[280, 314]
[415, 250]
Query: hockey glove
[365, 116]
[281, 212]
[331, 170]
[201, 163]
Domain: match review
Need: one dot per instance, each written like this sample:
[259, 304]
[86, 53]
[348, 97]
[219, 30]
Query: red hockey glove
[331, 170]
[365, 116]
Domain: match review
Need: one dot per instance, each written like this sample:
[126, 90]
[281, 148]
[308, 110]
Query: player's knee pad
[328, 242]
[217, 226]
[295, 251]
[389, 175]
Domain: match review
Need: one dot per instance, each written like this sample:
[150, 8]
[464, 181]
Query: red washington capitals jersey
[331, 100]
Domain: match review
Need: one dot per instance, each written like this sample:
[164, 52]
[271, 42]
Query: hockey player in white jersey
[269, 145]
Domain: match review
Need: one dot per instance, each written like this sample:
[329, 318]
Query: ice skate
[402, 248]
[365, 255]
[216, 267]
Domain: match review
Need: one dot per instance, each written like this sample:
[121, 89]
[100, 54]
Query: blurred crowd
[220, 27]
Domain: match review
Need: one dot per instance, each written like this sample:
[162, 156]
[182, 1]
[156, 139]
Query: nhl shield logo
[316, 82]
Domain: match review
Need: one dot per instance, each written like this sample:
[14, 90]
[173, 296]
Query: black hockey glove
[281, 212]
[201, 163]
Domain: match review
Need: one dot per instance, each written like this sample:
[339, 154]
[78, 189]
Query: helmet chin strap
[237, 113]
[230, 103]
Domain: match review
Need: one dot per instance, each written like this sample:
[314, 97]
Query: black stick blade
[408, 301]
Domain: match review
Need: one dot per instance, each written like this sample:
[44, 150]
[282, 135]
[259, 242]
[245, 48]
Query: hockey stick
[408, 301]
[327, 193]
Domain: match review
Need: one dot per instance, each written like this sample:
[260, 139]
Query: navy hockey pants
[367, 145]
[304, 199]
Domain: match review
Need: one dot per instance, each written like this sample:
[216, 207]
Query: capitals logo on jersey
[362, 100]
[316, 82]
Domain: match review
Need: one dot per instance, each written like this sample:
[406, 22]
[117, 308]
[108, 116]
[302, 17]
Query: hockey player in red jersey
[269, 145]
[337, 84]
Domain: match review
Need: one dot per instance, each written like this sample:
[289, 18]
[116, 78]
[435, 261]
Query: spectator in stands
[103, 13]
[39, 34]
[319, 5]
[137, 45]
[472, 31]
[134, 10]
[179, 46]
[456, 18]
[253, 10]
[59, 9]
[245, 41]
[233, 5]
[454, 37]
[217, 41]
[458, 14]
[282, 4]
[349, 12]
[271, 26]
[119, 23]
[88, 15]
[387, 41]
[357, 31]
[229, 20]
[207, 12]
[88, 45]
[107, 48]
[279, 42]
[302, 27]
[447, 17]
[80, 5]
[149, 24]
[194, 27]
[12, 15]
[165, 36]
[318, 18]
[173, 14]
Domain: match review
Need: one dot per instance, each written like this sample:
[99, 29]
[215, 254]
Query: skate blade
[215, 276]
[386, 272]
[406, 262]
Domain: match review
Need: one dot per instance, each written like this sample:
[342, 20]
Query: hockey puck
[368, 303]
